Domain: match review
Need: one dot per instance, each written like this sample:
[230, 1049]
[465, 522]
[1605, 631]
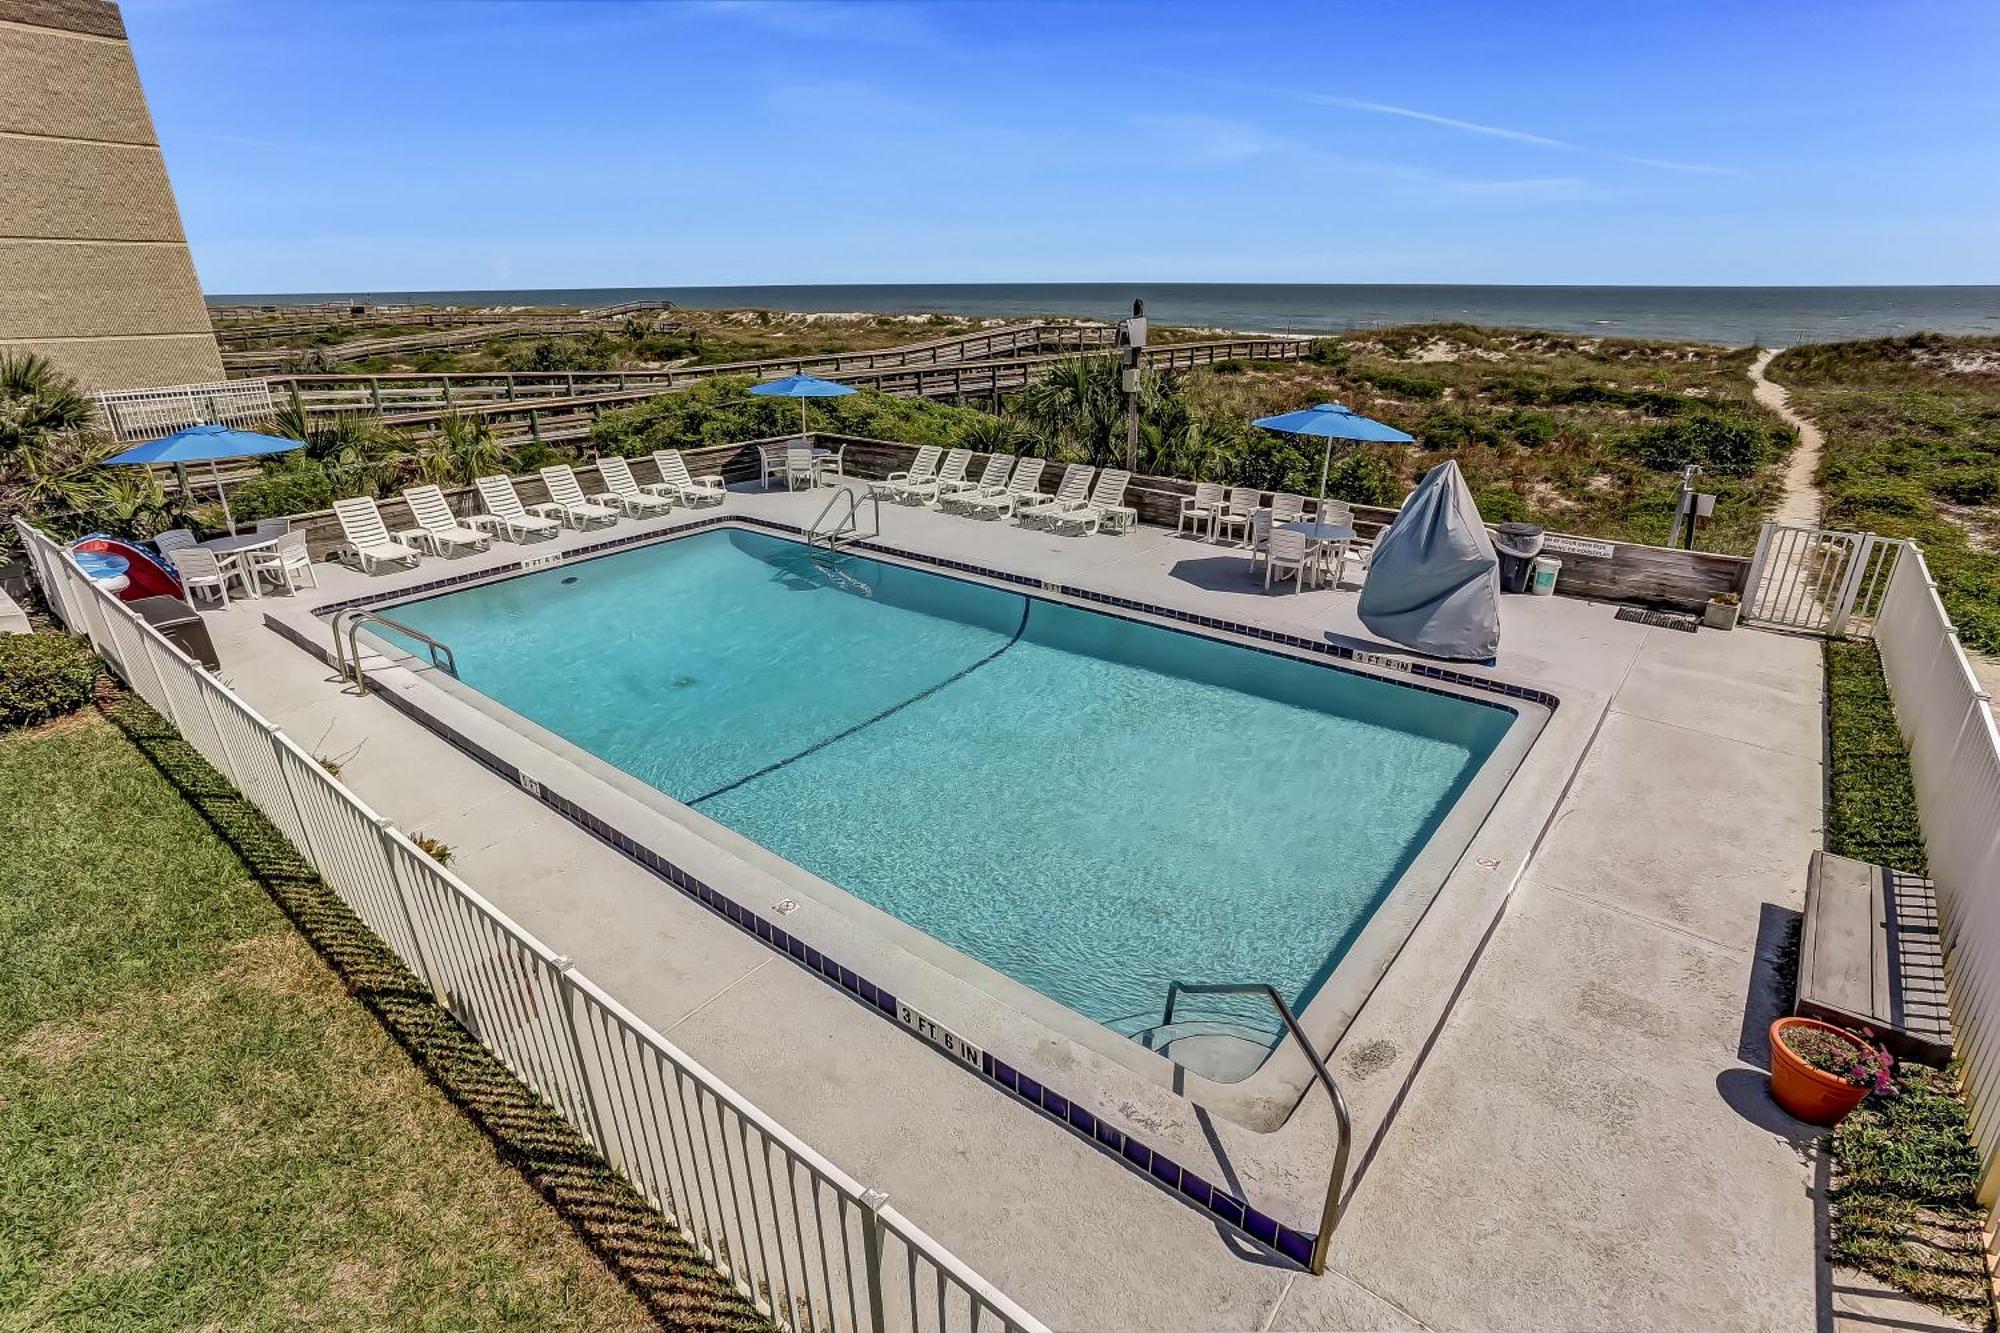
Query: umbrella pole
[802, 421]
[228, 519]
[1325, 462]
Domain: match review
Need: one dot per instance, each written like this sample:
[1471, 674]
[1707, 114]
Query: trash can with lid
[182, 626]
[1517, 545]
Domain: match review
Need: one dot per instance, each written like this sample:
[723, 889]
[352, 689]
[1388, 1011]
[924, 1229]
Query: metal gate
[1819, 580]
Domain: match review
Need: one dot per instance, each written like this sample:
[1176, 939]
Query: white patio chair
[566, 498]
[623, 489]
[992, 482]
[1287, 508]
[437, 527]
[1199, 510]
[799, 467]
[1073, 493]
[170, 541]
[1235, 514]
[923, 468]
[770, 463]
[506, 515]
[831, 467]
[1260, 536]
[285, 560]
[1023, 487]
[201, 571]
[922, 490]
[1287, 551]
[675, 481]
[273, 527]
[1106, 499]
[361, 523]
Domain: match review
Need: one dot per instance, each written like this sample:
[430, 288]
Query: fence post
[422, 962]
[566, 989]
[1850, 584]
[1754, 579]
[872, 1202]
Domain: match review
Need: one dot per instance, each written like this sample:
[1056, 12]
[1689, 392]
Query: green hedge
[43, 676]
[1871, 798]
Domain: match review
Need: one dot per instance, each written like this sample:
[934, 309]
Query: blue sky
[459, 144]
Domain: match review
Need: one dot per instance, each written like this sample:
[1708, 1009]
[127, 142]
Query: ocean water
[1737, 316]
[1090, 806]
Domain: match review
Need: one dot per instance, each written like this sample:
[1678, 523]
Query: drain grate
[1679, 620]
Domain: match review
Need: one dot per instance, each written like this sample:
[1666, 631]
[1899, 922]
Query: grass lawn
[208, 1122]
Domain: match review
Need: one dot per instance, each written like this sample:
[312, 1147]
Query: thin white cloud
[1503, 132]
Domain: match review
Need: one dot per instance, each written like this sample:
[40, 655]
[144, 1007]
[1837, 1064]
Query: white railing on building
[1947, 720]
[814, 1248]
[146, 414]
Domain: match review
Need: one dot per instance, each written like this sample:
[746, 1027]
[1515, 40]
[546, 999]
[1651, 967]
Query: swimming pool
[1090, 805]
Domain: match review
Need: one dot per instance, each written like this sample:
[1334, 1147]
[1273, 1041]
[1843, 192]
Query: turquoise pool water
[1092, 806]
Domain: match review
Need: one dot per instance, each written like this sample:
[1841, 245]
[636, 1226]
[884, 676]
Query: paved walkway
[1800, 505]
[1559, 1096]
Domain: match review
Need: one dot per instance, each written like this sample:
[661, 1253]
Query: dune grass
[200, 1127]
[1913, 450]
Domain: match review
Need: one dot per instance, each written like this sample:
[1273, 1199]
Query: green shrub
[1364, 479]
[1871, 801]
[1978, 487]
[44, 676]
[1730, 446]
[1498, 504]
[1406, 386]
[298, 486]
[1532, 428]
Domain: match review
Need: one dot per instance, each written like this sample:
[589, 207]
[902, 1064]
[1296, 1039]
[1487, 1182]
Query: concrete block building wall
[94, 266]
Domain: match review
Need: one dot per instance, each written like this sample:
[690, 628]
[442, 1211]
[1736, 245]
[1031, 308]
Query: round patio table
[229, 553]
[1320, 536]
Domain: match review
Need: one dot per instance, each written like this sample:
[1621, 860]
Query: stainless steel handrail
[1329, 1215]
[355, 617]
[850, 526]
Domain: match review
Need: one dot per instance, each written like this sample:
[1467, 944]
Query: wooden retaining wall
[1649, 575]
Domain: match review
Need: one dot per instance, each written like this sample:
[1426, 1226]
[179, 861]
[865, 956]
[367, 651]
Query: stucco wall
[94, 267]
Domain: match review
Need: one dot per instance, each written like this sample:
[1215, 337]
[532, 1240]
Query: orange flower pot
[1812, 1095]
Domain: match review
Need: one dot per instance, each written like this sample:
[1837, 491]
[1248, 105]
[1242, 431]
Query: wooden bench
[1869, 956]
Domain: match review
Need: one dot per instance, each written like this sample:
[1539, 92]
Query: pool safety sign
[940, 1036]
[1577, 546]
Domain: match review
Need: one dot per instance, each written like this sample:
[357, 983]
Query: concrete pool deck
[1559, 1106]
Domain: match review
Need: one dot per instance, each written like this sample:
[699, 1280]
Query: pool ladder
[1330, 1214]
[350, 658]
[846, 528]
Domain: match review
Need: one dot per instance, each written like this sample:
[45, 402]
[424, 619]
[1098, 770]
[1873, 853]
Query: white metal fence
[810, 1245]
[147, 414]
[1947, 719]
[1820, 580]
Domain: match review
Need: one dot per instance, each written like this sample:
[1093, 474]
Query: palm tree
[998, 435]
[463, 450]
[49, 449]
[38, 401]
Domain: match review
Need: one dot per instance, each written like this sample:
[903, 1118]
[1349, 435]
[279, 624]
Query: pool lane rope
[1027, 605]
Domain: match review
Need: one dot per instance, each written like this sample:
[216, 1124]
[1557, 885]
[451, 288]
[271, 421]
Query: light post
[1132, 344]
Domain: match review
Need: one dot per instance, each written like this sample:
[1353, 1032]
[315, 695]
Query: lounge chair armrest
[710, 479]
[546, 505]
[659, 488]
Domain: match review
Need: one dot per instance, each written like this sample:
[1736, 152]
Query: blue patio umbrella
[208, 444]
[1333, 421]
[801, 387]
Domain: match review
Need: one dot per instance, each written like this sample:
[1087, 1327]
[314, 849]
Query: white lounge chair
[1200, 509]
[437, 527]
[1235, 514]
[623, 489]
[1023, 487]
[566, 498]
[1074, 493]
[287, 558]
[992, 481]
[674, 480]
[361, 523]
[922, 469]
[1287, 551]
[947, 484]
[506, 515]
[922, 490]
[1106, 499]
